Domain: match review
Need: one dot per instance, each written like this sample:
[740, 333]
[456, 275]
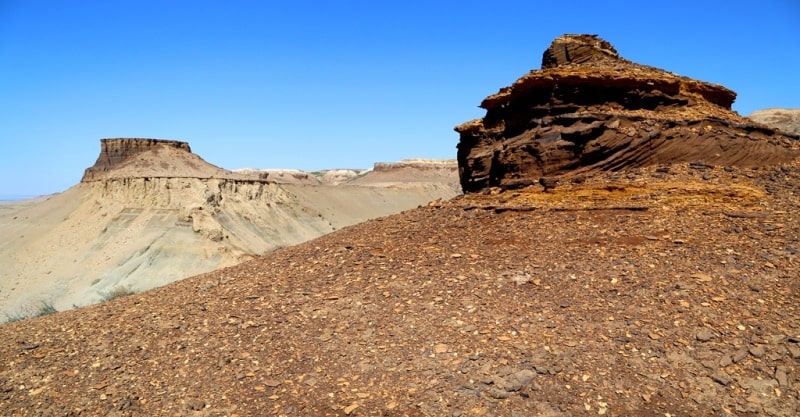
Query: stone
[524, 377]
[548, 183]
[725, 360]
[758, 351]
[114, 152]
[498, 393]
[721, 377]
[350, 408]
[589, 110]
[794, 351]
[704, 334]
[781, 376]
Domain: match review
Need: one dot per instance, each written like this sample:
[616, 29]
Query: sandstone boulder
[590, 110]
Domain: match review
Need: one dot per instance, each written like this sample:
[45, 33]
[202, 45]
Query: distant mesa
[589, 110]
[412, 170]
[150, 211]
[155, 158]
[787, 120]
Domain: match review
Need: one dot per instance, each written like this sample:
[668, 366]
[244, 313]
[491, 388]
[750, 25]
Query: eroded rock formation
[589, 109]
[156, 158]
[114, 152]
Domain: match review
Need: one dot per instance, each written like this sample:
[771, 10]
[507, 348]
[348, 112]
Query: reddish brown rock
[589, 110]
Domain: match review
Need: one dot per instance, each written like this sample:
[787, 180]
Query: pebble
[781, 376]
[704, 334]
[499, 394]
[350, 408]
[725, 360]
[757, 351]
[721, 377]
[739, 355]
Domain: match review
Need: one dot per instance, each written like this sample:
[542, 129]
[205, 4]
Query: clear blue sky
[328, 84]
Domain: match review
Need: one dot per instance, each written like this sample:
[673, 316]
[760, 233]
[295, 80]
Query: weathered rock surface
[589, 110]
[787, 120]
[156, 158]
[113, 152]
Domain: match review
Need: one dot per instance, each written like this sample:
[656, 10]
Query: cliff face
[150, 212]
[589, 109]
[114, 152]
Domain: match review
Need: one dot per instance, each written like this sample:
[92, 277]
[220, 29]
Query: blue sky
[324, 84]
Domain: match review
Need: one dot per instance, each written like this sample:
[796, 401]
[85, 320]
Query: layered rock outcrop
[156, 158]
[588, 109]
[113, 152]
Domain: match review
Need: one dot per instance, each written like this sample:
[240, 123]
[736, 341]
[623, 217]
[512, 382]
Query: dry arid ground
[661, 291]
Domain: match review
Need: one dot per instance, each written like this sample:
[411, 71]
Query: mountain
[649, 287]
[150, 212]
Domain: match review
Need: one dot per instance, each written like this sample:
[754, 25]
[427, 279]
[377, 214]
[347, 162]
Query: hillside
[643, 294]
[150, 212]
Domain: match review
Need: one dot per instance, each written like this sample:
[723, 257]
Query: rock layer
[590, 110]
[113, 152]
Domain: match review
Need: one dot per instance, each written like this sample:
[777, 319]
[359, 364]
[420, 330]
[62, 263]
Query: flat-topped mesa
[417, 163]
[590, 110]
[115, 151]
[155, 158]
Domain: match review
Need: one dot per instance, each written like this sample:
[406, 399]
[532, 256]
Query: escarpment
[590, 110]
[155, 158]
[150, 212]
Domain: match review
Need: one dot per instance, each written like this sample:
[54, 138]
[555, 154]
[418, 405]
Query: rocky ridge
[412, 170]
[589, 110]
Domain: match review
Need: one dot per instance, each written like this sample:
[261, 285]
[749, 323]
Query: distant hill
[787, 120]
[150, 212]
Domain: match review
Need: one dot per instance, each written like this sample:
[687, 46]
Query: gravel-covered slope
[660, 291]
